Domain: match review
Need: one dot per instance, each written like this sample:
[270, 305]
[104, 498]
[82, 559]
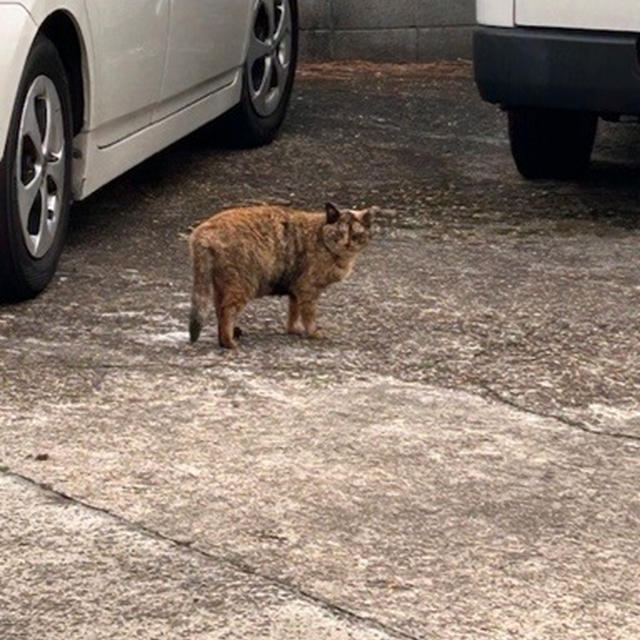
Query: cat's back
[257, 224]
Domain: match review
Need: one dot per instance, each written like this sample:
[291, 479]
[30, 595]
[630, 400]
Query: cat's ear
[333, 213]
[366, 219]
[367, 216]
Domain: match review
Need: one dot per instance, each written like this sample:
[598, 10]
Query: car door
[207, 40]
[129, 46]
[621, 15]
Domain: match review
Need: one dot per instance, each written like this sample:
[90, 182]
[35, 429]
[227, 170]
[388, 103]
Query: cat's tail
[202, 291]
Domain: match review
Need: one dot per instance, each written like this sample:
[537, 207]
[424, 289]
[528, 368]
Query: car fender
[40, 10]
[17, 31]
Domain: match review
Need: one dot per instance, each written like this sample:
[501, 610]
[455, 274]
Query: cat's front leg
[308, 313]
[295, 325]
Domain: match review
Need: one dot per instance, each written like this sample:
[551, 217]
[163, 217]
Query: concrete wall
[388, 30]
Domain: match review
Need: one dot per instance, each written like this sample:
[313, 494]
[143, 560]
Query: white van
[556, 66]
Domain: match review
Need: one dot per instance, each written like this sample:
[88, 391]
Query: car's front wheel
[269, 72]
[551, 143]
[35, 176]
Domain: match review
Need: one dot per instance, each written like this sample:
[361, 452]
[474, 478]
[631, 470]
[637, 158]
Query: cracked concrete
[460, 459]
[571, 423]
[98, 577]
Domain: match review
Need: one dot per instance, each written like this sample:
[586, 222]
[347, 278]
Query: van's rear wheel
[35, 177]
[551, 143]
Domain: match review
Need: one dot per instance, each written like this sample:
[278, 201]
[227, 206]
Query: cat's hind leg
[217, 299]
[202, 291]
[230, 309]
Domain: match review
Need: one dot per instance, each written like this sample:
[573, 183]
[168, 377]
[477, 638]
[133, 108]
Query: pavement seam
[574, 424]
[235, 563]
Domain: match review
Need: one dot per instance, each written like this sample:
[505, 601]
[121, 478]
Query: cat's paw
[296, 330]
[317, 334]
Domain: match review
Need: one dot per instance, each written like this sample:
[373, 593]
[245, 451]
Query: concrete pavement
[460, 459]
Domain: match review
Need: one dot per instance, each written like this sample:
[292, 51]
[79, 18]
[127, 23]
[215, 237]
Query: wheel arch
[64, 32]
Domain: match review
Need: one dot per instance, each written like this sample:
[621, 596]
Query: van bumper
[558, 68]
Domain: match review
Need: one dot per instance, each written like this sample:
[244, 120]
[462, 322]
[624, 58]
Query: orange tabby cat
[249, 252]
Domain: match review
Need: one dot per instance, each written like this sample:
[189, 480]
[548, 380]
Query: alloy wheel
[40, 166]
[270, 54]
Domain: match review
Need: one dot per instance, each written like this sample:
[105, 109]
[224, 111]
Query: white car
[556, 66]
[89, 88]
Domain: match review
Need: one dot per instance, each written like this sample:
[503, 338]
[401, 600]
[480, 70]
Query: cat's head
[347, 231]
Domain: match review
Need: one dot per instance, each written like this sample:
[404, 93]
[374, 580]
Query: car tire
[268, 75]
[35, 176]
[551, 143]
